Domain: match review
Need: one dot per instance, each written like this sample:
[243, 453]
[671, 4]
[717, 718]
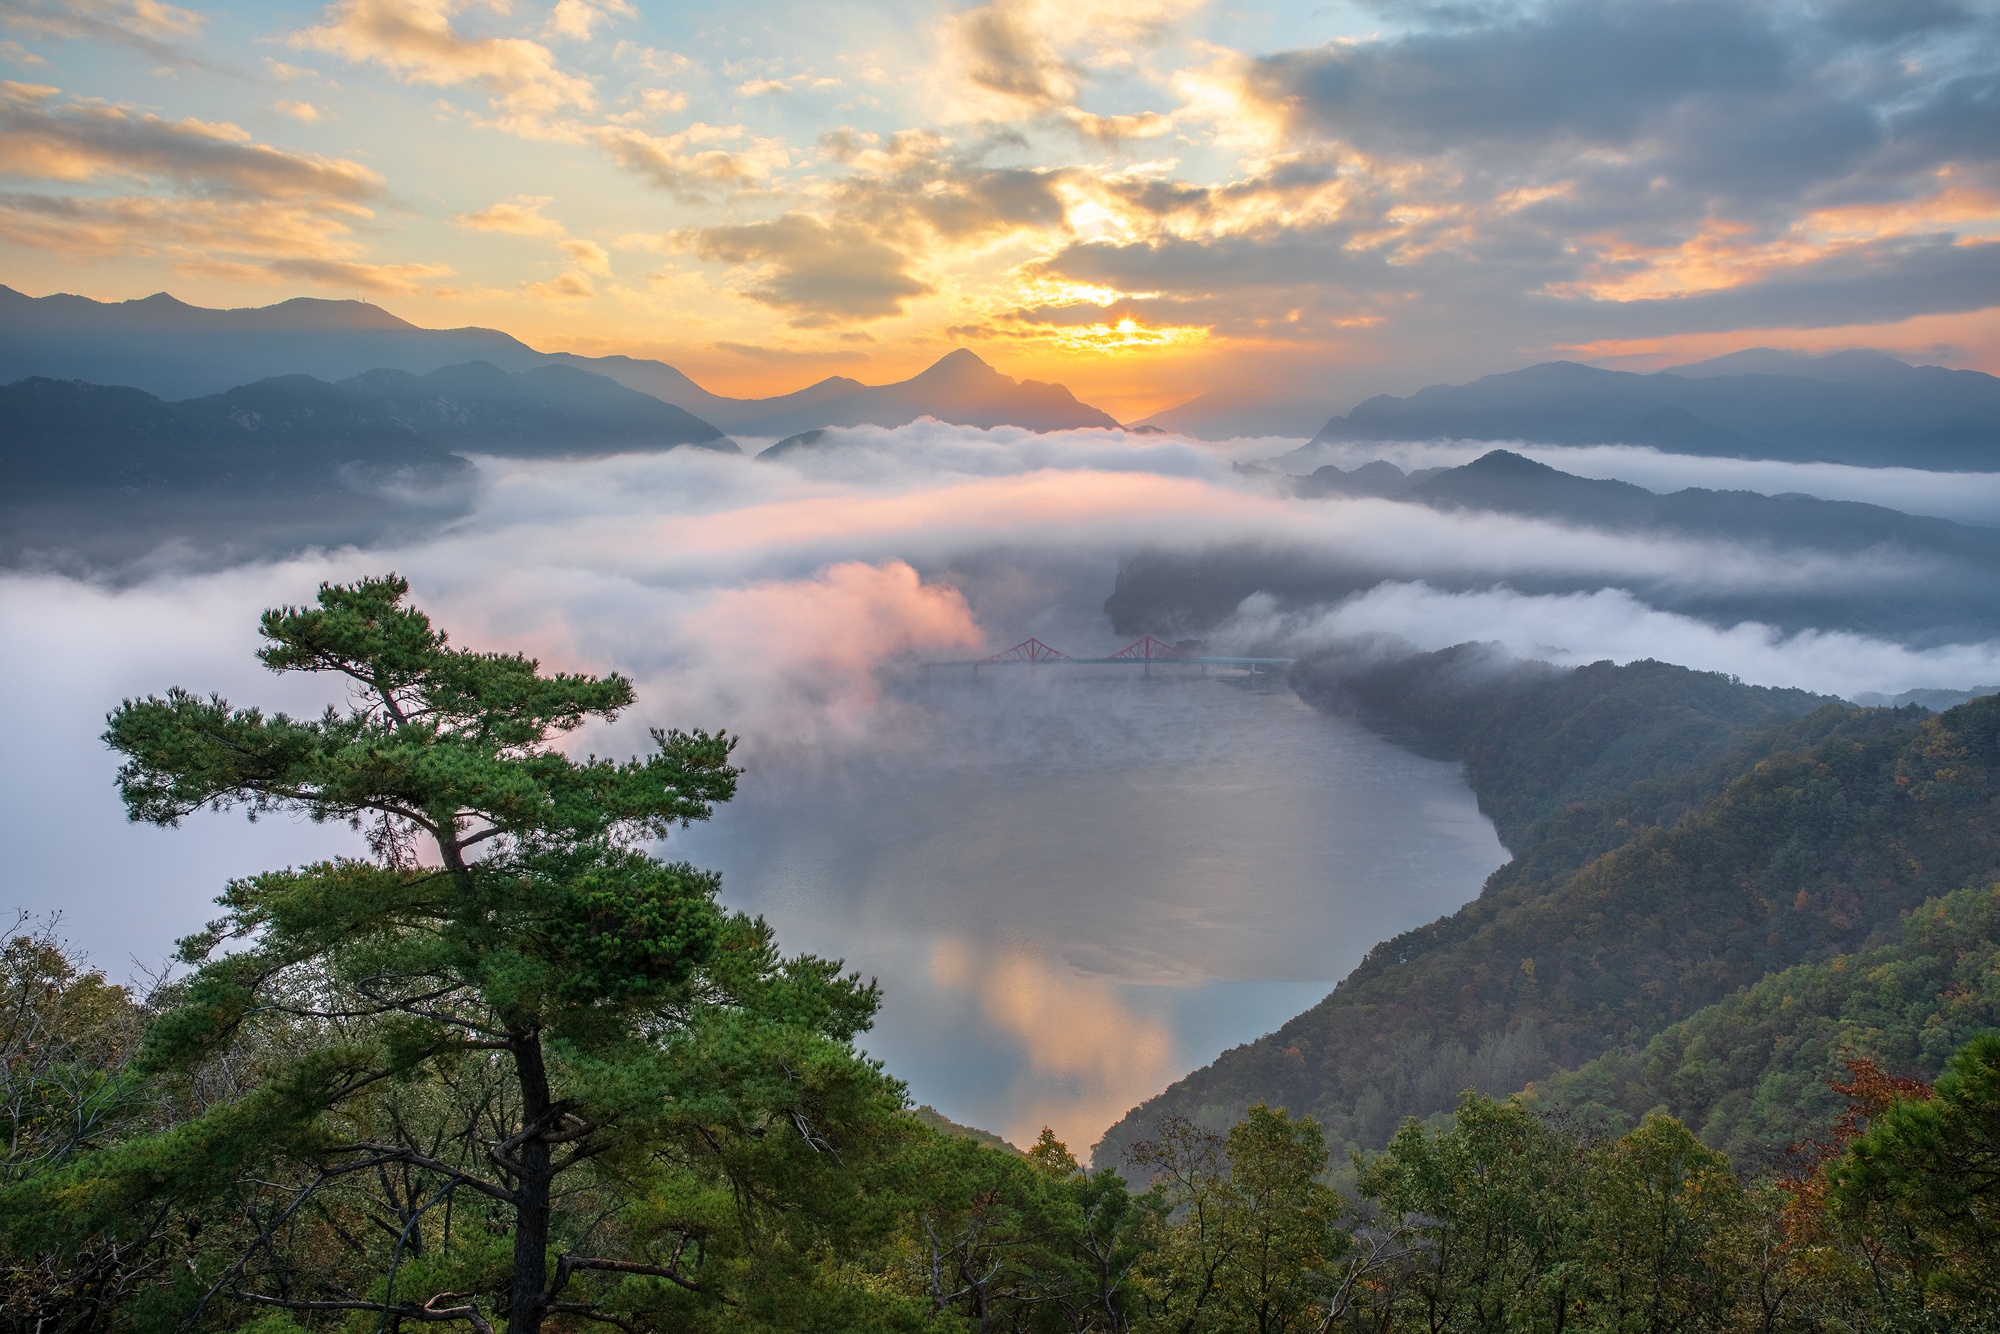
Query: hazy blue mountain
[1861, 365]
[1377, 478]
[1229, 414]
[1506, 482]
[746, 415]
[549, 411]
[1949, 591]
[958, 388]
[1851, 408]
[169, 348]
[291, 434]
[101, 475]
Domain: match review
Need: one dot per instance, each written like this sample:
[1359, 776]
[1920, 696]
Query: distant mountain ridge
[1936, 581]
[174, 350]
[548, 411]
[1862, 408]
[104, 473]
[1228, 414]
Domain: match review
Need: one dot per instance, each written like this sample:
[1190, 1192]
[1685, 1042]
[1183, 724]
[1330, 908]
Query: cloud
[415, 39]
[588, 256]
[1117, 129]
[690, 163]
[1482, 184]
[522, 216]
[1577, 628]
[815, 272]
[570, 286]
[86, 140]
[803, 655]
[304, 111]
[576, 19]
[179, 229]
[519, 216]
[864, 249]
[1011, 59]
[218, 203]
[149, 26]
[388, 278]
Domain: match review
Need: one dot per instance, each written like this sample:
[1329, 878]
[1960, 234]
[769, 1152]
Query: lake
[1078, 883]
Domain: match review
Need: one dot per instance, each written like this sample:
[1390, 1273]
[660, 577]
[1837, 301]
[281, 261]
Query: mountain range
[1916, 579]
[1861, 407]
[1230, 414]
[102, 472]
[171, 349]
[1858, 407]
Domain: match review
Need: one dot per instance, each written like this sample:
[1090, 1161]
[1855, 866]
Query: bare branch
[406, 1310]
[392, 1153]
[669, 1273]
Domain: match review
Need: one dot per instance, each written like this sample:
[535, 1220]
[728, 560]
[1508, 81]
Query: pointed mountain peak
[958, 364]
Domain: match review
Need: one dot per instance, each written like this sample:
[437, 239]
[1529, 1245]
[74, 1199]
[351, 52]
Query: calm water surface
[1077, 884]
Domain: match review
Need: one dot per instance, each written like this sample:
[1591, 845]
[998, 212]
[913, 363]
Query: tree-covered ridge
[1755, 1072]
[1537, 741]
[1805, 841]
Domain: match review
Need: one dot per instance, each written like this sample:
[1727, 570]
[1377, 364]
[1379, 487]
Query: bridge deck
[1116, 662]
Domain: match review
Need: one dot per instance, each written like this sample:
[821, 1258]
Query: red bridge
[1142, 652]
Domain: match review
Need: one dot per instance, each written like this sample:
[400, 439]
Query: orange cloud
[519, 216]
[415, 39]
[679, 164]
[87, 140]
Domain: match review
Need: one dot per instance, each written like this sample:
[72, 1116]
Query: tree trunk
[531, 1225]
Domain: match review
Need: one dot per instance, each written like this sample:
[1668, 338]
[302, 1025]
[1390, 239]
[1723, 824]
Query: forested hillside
[1755, 1072]
[1678, 836]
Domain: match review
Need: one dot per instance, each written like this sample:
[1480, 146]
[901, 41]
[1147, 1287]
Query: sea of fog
[1074, 884]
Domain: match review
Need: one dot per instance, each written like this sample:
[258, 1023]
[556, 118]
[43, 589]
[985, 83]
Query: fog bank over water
[1073, 883]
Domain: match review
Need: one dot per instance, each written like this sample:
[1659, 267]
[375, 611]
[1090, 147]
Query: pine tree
[508, 1065]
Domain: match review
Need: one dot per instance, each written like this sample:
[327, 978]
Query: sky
[1143, 199]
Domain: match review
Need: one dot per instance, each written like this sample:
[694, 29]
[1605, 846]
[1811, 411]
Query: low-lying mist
[1075, 883]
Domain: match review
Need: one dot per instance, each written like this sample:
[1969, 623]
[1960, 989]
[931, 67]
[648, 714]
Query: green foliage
[1255, 1241]
[1492, 1210]
[1925, 1179]
[1000, 1240]
[1754, 1073]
